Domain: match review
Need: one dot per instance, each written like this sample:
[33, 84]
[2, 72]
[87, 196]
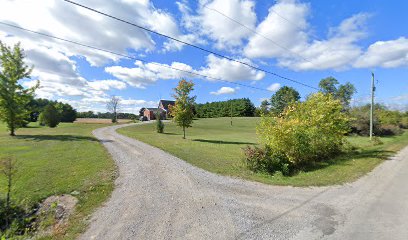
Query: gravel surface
[159, 196]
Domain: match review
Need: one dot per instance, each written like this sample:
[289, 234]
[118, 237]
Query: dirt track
[159, 196]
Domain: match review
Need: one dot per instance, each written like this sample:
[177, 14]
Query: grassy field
[216, 146]
[57, 161]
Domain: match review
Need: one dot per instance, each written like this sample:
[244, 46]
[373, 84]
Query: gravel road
[159, 196]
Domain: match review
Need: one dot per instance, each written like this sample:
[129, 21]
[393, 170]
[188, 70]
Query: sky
[298, 39]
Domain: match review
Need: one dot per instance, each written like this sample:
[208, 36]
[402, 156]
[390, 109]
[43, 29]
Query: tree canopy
[283, 98]
[342, 92]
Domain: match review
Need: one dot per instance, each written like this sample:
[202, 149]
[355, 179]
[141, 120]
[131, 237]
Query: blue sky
[302, 40]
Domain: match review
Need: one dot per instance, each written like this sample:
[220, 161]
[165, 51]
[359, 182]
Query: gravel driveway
[159, 196]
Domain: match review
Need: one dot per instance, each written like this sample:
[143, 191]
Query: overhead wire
[189, 44]
[131, 57]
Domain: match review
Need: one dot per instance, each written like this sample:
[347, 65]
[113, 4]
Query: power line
[189, 44]
[257, 33]
[131, 57]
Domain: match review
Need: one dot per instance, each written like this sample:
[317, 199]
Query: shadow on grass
[56, 138]
[167, 133]
[222, 142]
[347, 158]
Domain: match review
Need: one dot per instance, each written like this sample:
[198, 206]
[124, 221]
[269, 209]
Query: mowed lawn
[59, 161]
[216, 146]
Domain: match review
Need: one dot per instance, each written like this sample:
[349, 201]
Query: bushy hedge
[306, 132]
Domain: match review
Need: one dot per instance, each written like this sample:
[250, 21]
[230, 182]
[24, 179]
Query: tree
[68, 113]
[114, 106]
[14, 98]
[344, 93]
[183, 108]
[264, 108]
[141, 111]
[282, 98]
[50, 117]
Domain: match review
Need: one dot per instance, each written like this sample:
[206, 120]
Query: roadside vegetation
[216, 146]
[55, 161]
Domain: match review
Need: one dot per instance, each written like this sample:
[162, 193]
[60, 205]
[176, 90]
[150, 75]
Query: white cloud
[387, 54]
[274, 87]
[293, 46]
[281, 31]
[107, 85]
[224, 90]
[68, 21]
[229, 70]
[208, 22]
[148, 73]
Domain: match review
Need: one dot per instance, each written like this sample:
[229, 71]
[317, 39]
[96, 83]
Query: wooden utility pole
[231, 112]
[372, 105]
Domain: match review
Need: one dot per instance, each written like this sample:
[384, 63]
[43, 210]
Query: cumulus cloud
[229, 70]
[148, 73]
[210, 23]
[62, 19]
[107, 85]
[387, 54]
[274, 87]
[289, 40]
[224, 90]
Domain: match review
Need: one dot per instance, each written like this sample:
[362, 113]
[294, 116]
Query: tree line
[106, 115]
[242, 107]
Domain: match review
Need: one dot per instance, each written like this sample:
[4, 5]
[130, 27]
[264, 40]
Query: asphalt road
[159, 196]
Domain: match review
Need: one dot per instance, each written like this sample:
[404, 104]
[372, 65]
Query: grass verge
[58, 161]
[216, 146]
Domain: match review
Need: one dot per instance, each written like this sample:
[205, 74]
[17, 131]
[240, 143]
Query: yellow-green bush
[306, 132]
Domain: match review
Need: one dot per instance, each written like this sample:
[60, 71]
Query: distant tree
[68, 113]
[50, 117]
[113, 106]
[344, 93]
[283, 98]
[264, 108]
[141, 111]
[183, 108]
[13, 97]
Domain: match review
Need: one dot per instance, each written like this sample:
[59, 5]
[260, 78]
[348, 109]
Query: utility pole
[231, 111]
[372, 105]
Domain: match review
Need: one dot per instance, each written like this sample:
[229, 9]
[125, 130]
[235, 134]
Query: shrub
[390, 130]
[159, 123]
[263, 160]
[305, 132]
[50, 116]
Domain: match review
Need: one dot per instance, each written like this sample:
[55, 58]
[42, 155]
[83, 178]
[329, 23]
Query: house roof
[166, 103]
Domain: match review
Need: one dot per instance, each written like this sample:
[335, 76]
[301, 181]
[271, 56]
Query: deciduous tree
[14, 98]
[182, 111]
[113, 106]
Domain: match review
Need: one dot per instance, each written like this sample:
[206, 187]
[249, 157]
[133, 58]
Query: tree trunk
[8, 189]
[184, 132]
[12, 130]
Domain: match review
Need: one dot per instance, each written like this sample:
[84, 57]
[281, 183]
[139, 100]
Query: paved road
[159, 196]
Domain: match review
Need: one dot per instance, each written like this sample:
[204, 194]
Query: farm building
[150, 113]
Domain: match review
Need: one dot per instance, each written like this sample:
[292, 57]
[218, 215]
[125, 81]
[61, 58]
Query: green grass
[57, 161]
[216, 146]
